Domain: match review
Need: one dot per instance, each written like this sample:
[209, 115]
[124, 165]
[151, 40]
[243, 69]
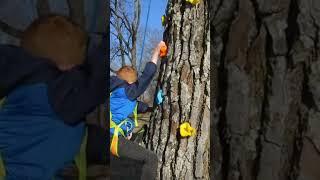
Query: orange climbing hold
[163, 50]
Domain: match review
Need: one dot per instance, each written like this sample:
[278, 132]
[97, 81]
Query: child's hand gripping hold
[160, 50]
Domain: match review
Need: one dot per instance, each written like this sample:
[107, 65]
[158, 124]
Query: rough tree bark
[184, 78]
[266, 122]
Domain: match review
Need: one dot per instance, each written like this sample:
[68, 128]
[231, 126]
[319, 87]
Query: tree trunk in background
[77, 11]
[184, 78]
[267, 120]
[43, 7]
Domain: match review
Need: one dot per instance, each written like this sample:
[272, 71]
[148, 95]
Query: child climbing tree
[90, 15]
[185, 81]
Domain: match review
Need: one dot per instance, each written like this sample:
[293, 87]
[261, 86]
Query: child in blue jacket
[50, 84]
[125, 89]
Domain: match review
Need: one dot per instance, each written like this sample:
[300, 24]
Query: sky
[157, 9]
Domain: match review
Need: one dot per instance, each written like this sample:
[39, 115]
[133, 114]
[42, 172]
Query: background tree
[184, 78]
[125, 20]
[266, 121]
[127, 35]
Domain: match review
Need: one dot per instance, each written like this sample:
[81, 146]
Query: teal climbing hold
[159, 98]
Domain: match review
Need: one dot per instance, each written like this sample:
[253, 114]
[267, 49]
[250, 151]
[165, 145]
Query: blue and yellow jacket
[124, 96]
[42, 118]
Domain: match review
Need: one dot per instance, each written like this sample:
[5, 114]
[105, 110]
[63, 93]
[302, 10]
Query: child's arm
[115, 82]
[77, 92]
[136, 89]
[17, 67]
[142, 107]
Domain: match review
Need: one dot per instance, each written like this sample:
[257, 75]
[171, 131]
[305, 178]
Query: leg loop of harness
[115, 137]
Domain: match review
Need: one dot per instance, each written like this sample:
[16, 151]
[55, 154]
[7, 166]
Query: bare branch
[121, 38]
[115, 54]
[135, 26]
[112, 70]
[122, 53]
[123, 19]
[10, 30]
[125, 29]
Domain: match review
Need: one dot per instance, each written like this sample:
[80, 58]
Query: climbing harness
[81, 159]
[193, 2]
[118, 129]
[159, 97]
[186, 130]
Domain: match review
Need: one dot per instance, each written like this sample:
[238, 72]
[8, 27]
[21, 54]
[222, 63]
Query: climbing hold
[194, 2]
[186, 130]
[159, 98]
[163, 50]
[163, 20]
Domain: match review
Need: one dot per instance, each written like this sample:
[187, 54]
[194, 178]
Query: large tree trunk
[266, 125]
[184, 78]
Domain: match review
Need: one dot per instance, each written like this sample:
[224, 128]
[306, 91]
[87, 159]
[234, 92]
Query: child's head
[128, 74]
[56, 38]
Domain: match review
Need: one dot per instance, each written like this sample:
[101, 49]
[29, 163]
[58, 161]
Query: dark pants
[132, 150]
[97, 145]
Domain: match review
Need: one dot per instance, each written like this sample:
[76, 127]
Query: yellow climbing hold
[163, 20]
[194, 2]
[186, 130]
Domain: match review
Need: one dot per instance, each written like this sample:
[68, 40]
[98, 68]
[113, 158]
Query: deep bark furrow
[261, 128]
[220, 168]
[290, 92]
[177, 87]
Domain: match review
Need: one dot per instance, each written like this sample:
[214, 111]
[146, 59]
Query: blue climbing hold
[159, 98]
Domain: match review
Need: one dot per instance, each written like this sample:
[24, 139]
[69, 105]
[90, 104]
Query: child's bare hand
[129, 136]
[156, 52]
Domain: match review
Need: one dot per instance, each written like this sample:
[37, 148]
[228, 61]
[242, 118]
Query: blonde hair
[56, 38]
[128, 73]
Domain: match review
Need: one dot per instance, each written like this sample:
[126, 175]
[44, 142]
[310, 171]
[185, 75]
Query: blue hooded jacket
[42, 118]
[124, 97]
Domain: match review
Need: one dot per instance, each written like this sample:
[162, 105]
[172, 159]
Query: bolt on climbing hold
[186, 130]
[159, 97]
[163, 50]
[193, 2]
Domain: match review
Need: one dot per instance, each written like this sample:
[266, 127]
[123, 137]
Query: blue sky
[157, 9]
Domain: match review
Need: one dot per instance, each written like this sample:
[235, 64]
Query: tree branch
[112, 70]
[123, 20]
